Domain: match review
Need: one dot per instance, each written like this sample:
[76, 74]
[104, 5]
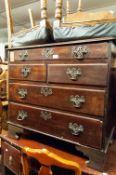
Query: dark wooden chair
[46, 160]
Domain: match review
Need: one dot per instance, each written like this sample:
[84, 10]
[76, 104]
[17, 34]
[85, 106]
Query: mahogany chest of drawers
[66, 91]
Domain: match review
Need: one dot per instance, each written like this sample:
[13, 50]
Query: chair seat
[36, 35]
[66, 33]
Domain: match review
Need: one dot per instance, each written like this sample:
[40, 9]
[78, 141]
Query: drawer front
[76, 52]
[74, 128]
[82, 100]
[12, 158]
[87, 74]
[31, 72]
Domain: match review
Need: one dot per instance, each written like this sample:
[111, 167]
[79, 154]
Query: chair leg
[45, 170]
[25, 165]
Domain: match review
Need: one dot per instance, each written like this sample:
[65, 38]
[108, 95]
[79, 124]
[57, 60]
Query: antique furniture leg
[96, 157]
[3, 170]
[9, 21]
[58, 13]
[15, 132]
[25, 165]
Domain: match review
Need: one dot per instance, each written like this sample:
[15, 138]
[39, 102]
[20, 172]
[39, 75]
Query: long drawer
[33, 72]
[66, 126]
[82, 100]
[77, 52]
[85, 74]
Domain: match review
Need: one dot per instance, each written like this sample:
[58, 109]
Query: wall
[109, 8]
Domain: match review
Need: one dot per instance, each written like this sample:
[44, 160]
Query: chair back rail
[47, 159]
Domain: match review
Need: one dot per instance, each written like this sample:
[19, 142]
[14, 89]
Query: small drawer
[76, 52]
[66, 126]
[12, 158]
[34, 54]
[31, 72]
[83, 74]
[89, 101]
